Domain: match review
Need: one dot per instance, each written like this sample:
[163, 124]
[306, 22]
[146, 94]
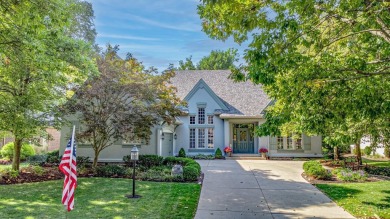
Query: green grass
[362, 200]
[9, 166]
[377, 163]
[100, 198]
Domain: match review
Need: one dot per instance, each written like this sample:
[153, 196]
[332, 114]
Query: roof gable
[241, 98]
[203, 85]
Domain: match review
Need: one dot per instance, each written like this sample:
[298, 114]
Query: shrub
[147, 160]
[348, 175]
[383, 171]
[367, 150]
[8, 151]
[170, 161]
[316, 170]
[218, 154]
[202, 157]
[110, 171]
[82, 161]
[190, 173]
[37, 159]
[53, 157]
[192, 166]
[38, 170]
[182, 153]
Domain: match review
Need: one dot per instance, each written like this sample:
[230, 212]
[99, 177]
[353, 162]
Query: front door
[243, 139]
[167, 145]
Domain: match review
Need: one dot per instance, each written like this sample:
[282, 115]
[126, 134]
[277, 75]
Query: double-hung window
[201, 115]
[201, 138]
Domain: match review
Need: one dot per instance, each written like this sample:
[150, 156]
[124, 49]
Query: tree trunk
[95, 159]
[336, 153]
[358, 152]
[16, 158]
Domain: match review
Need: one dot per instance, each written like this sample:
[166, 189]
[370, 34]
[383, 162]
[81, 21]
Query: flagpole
[70, 163]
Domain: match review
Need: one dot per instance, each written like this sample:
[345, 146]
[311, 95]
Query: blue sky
[155, 32]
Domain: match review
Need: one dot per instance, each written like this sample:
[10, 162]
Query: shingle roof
[241, 98]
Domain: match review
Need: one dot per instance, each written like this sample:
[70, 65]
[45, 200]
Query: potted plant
[228, 151]
[263, 151]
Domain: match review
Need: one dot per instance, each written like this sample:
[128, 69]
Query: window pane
[192, 138]
[210, 138]
[210, 119]
[298, 143]
[201, 116]
[192, 119]
[280, 142]
[201, 138]
[289, 142]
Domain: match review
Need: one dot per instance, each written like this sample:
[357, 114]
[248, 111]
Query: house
[220, 113]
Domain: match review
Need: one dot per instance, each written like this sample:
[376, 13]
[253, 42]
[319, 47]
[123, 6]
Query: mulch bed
[313, 181]
[27, 175]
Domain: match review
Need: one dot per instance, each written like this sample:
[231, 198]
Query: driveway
[261, 189]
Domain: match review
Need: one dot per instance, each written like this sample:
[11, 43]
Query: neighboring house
[366, 142]
[50, 143]
[220, 113]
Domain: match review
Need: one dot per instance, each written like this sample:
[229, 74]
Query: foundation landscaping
[363, 191]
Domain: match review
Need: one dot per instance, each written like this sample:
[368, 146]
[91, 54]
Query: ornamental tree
[124, 102]
[326, 63]
[39, 61]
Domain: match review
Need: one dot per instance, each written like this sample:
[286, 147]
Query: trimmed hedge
[53, 157]
[383, 171]
[37, 159]
[110, 171]
[7, 151]
[316, 170]
[147, 160]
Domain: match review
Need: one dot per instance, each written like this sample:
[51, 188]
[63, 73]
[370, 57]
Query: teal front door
[243, 140]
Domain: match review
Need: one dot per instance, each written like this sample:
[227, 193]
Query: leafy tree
[186, 65]
[218, 60]
[39, 61]
[124, 102]
[326, 63]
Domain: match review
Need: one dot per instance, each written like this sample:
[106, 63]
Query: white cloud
[127, 37]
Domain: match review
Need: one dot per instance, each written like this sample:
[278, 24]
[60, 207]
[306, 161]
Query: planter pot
[263, 155]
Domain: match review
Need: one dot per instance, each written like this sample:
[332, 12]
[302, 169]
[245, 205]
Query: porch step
[245, 157]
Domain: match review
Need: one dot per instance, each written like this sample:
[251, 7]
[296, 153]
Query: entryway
[167, 145]
[243, 138]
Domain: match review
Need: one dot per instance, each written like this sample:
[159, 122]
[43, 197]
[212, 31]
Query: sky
[155, 32]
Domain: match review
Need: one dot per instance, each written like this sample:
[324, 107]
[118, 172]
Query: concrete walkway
[261, 189]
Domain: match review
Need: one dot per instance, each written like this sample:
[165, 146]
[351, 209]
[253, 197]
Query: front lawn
[100, 198]
[361, 199]
[377, 163]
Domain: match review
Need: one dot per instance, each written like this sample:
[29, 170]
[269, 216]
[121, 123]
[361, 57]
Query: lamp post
[134, 157]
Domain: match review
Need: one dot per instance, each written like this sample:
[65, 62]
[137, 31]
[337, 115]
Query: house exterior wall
[113, 153]
[201, 97]
[314, 142]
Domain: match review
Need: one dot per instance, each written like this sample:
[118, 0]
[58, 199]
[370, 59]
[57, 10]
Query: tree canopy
[217, 60]
[122, 103]
[326, 63]
[39, 61]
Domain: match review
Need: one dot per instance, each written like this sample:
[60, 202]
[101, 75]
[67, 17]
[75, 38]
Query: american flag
[68, 167]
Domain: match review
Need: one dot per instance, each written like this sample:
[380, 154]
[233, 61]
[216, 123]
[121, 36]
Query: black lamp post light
[134, 157]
